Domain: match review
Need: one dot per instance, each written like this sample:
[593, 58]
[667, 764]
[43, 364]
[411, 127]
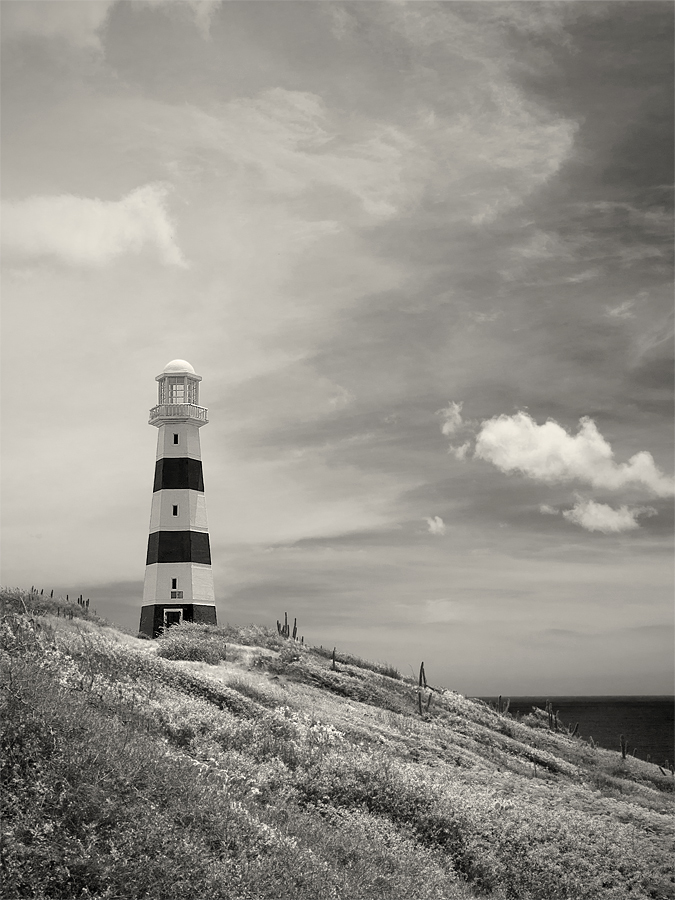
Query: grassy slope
[127, 774]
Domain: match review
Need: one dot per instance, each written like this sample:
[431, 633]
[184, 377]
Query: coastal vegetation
[227, 762]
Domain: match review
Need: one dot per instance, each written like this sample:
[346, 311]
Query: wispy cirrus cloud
[81, 23]
[284, 143]
[71, 20]
[600, 517]
[622, 311]
[88, 231]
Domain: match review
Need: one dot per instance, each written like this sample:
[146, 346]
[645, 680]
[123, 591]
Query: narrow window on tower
[175, 438]
[174, 509]
[174, 584]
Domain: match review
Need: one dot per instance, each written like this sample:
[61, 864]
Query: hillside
[235, 763]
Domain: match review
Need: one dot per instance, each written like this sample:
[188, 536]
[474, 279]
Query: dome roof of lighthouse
[178, 366]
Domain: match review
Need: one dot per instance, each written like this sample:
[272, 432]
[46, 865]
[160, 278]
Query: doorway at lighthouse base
[155, 618]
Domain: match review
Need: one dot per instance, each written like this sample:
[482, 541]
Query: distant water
[646, 722]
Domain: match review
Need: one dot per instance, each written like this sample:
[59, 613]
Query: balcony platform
[178, 412]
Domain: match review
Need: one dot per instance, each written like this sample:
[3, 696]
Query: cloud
[541, 245]
[482, 317]
[80, 22]
[77, 22]
[623, 311]
[452, 423]
[600, 517]
[547, 510]
[200, 11]
[88, 231]
[291, 143]
[203, 12]
[341, 399]
[548, 453]
[461, 451]
[505, 156]
[586, 275]
[452, 418]
[436, 525]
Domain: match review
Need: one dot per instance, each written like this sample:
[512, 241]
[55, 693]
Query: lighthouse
[178, 583]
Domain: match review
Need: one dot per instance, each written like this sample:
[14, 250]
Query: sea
[646, 722]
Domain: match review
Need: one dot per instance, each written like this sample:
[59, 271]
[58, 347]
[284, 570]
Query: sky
[421, 255]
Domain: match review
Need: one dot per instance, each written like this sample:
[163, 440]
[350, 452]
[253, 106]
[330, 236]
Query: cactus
[421, 688]
[333, 666]
[624, 746]
[503, 706]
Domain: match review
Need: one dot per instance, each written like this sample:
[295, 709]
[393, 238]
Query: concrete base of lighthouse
[156, 618]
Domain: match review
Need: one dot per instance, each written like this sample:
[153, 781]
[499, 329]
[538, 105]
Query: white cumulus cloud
[452, 418]
[436, 525]
[89, 231]
[548, 453]
[600, 517]
[461, 451]
[547, 510]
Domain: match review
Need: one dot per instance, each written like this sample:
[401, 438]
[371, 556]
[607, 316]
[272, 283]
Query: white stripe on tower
[178, 576]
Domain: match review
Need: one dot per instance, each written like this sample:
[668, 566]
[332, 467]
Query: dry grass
[269, 775]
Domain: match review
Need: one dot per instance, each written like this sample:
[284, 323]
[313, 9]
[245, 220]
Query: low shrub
[193, 641]
[253, 636]
[18, 601]
[382, 668]
[260, 695]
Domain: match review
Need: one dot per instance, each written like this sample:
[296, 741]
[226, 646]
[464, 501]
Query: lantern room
[178, 394]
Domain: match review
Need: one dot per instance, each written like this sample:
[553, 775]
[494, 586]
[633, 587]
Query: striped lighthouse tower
[178, 577]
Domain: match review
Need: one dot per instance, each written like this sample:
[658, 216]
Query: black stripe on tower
[178, 546]
[178, 473]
